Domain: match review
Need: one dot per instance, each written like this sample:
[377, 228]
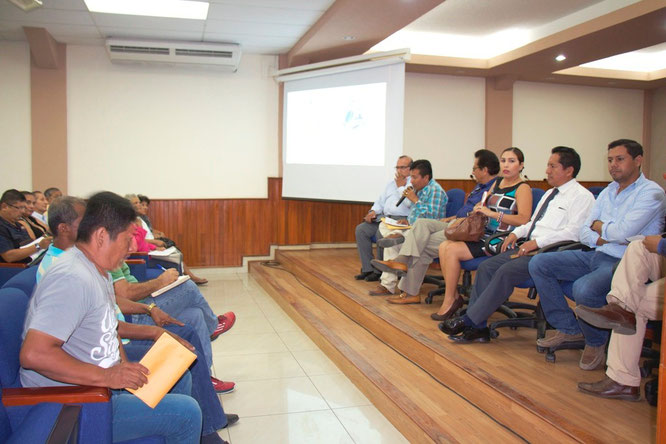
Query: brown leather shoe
[389, 266]
[592, 357]
[609, 316]
[558, 338]
[404, 298]
[380, 290]
[607, 388]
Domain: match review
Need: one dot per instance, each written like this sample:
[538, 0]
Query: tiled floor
[287, 390]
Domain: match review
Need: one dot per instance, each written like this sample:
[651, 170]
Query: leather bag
[470, 229]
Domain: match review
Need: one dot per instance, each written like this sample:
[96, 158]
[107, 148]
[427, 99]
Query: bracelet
[499, 218]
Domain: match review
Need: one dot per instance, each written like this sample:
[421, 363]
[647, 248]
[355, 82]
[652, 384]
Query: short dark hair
[515, 150]
[487, 159]
[634, 148]
[568, 158]
[12, 196]
[106, 210]
[49, 191]
[37, 192]
[63, 211]
[424, 167]
[144, 199]
[28, 193]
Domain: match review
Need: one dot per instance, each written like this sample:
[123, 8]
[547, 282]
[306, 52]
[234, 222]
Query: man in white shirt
[558, 217]
[385, 205]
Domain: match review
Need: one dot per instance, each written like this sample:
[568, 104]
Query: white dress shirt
[564, 216]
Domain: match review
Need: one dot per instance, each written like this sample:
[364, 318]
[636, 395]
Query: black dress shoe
[373, 277]
[452, 326]
[232, 419]
[362, 275]
[472, 334]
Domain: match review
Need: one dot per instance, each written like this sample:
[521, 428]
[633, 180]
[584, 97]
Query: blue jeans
[186, 303]
[177, 417]
[202, 390]
[591, 273]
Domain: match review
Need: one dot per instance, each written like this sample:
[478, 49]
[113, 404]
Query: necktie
[542, 211]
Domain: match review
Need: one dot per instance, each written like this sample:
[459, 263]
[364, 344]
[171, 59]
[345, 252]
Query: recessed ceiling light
[349, 37]
[153, 8]
[561, 58]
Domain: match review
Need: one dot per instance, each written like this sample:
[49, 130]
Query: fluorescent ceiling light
[454, 45]
[644, 60]
[153, 8]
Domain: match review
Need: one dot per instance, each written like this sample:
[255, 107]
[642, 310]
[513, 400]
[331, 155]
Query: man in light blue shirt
[631, 205]
[385, 205]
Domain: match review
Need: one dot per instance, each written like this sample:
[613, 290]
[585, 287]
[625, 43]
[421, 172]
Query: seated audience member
[146, 240]
[185, 302]
[41, 203]
[631, 205]
[142, 209]
[632, 301]
[34, 227]
[385, 205]
[428, 200]
[50, 194]
[558, 217]
[13, 235]
[508, 205]
[65, 216]
[83, 346]
[421, 242]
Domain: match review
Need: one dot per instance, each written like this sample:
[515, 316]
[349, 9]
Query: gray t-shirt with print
[74, 303]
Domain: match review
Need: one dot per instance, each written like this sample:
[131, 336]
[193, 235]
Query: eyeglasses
[400, 167]
[475, 168]
[18, 208]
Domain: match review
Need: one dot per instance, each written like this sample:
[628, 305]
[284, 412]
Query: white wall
[584, 118]
[170, 132]
[444, 122]
[15, 138]
[658, 143]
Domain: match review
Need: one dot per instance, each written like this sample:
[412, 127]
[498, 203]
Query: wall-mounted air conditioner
[220, 55]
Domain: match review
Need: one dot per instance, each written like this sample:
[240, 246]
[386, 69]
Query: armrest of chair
[13, 265]
[497, 235]
[66, 394]
[560, 246]
[135, 261]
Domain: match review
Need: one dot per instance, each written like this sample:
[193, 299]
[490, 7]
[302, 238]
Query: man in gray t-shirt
[71, 332]
[76, 305]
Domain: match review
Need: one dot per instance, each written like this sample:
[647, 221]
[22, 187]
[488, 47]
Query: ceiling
[305, 31]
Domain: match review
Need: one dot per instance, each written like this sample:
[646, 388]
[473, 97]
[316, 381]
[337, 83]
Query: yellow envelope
[167, 360]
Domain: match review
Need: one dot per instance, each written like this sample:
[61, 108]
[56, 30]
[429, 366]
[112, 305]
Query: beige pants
[389, 280]
[628, 289]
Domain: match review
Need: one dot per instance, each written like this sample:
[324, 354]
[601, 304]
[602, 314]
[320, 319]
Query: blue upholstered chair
[9, 270]
[24, 281]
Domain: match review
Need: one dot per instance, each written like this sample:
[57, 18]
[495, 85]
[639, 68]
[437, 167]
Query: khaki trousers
[629, 290]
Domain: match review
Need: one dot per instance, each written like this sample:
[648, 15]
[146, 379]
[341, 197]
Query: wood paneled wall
[219, 232]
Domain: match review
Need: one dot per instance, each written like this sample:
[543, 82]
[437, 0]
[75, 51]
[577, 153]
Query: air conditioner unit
[220, 55]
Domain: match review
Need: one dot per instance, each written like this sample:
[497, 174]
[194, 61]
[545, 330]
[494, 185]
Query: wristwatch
[37, 248]
[151, 306]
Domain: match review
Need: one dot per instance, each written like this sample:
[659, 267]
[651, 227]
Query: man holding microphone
[385, 205]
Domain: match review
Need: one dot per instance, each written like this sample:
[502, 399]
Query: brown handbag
[470, 229]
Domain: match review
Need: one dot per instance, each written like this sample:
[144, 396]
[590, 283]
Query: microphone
[526, 178]
[471, 176]
[404, 195]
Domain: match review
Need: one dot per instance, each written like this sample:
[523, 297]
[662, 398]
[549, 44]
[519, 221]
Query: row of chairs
[47, 414]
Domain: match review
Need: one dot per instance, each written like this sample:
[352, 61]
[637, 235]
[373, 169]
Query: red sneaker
[222, 386]
[225, 322]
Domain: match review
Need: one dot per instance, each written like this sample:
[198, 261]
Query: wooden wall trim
[220, 232]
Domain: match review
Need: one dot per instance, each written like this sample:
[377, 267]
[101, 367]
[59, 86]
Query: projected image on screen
[337, 126]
